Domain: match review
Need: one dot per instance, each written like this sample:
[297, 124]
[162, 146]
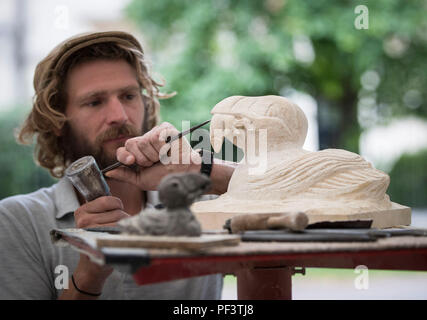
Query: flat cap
[59, 55]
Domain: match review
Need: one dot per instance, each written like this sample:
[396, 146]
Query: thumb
[123, 174]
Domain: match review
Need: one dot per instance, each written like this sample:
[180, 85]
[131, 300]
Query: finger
[164, 131]
[101, 204]
[148, 149]
[123, 174]
[143, 144]
[144, 179]
[149, 178]
[107, 217]
[113, 224]
[88, 220]
[125, 156]
[180, 151]
[133, 146]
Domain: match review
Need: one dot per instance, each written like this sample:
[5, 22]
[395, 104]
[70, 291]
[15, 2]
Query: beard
[76, 146]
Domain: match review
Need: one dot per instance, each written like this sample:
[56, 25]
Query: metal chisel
[168, 140]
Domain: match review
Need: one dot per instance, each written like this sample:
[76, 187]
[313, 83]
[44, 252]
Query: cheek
[82, 130]
[136, 116]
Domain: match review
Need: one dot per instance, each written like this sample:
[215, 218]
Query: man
[93, 96]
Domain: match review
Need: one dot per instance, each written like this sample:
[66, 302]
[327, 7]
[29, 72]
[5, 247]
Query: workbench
[263, 269]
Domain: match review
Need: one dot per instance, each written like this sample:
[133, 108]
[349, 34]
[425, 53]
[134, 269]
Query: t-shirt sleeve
[23, 274]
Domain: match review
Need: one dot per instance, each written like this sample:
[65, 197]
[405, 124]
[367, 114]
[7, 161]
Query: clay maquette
[176, 192]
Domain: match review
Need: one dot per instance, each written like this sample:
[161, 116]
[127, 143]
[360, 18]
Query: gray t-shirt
[28, 258]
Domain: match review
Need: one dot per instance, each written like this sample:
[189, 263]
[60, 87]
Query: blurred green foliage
[209, 50]
[18, 173]
[408, 180]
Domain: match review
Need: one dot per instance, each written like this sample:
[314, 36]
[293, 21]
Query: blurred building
[30, 29]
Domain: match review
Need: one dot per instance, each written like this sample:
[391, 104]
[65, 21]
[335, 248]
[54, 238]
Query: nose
[116, 112]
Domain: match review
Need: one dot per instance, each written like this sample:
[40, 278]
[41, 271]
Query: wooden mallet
[295, 221]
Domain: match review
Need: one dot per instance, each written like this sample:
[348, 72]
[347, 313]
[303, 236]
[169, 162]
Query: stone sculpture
[327, 185]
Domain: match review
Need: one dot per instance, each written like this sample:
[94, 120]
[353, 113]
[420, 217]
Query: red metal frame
[269, 276]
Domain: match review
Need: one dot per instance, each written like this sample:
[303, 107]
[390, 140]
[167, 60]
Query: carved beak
[217, 133]
[227, 126]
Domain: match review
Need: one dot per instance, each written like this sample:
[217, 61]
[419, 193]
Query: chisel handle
[295, 221]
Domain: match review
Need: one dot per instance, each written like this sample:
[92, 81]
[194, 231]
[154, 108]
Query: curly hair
[47, 116]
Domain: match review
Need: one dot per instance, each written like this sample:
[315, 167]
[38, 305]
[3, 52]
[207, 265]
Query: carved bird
[176, 192]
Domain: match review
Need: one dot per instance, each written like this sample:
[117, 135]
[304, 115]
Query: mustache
[115, 132]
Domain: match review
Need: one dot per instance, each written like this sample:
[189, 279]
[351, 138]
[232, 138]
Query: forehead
[99, 75]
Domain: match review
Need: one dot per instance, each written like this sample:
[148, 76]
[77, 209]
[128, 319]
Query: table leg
[264, 283]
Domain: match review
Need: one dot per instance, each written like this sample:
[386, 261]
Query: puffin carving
[277, 175]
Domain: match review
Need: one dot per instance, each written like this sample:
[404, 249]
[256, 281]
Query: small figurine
[176, 192]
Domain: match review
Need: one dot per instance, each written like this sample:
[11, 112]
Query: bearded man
[93, 96]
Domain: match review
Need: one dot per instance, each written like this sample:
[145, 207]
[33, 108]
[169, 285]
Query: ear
[57, 131]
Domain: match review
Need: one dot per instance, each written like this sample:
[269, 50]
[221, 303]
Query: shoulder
[27, 252]
[41, 198]
[25, 207]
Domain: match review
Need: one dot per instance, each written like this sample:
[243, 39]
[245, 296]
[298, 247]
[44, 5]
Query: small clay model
[176, 192]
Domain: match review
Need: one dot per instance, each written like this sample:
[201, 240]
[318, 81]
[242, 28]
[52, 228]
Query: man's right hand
[90, 277]
[103, 211]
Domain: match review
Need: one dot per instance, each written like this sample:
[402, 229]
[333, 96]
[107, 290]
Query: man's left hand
[155, 157]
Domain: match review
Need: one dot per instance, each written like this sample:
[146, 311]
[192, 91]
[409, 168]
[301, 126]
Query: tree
[17, 170]
[409, 180]
[209, 50]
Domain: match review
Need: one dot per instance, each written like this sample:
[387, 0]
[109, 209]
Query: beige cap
[58, 56]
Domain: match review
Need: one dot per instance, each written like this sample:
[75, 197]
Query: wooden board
[397, 215]
[187, 243]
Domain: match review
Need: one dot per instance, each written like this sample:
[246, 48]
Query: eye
[128, 96]
[94, 103]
